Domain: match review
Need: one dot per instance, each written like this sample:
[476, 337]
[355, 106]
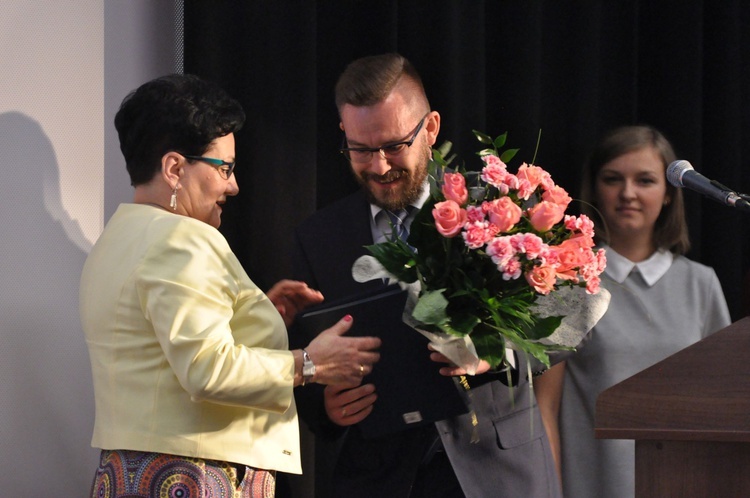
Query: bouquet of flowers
[494, 262]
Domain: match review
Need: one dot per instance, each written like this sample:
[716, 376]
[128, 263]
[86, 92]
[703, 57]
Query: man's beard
[409, 192]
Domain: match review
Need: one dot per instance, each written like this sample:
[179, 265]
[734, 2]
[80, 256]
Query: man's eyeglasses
[388, 151]
[224, 168]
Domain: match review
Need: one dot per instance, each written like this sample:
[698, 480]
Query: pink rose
[449, 218]
[503, 213]
[454, 188]
[535, 175]
[582, 240]
[524, 188]
[541, 278]
[558, 195]
[544, 215]
[569, 257]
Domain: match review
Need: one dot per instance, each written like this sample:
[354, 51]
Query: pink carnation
[581, 224]
[510, 182]
[474, 213]
[500, 251]
[454, 188]
[529, 244]
[592, 285]
[476, 234]
[494, 171]
[592, 269]
[596, 265]
[512, 269]
[449, 218]
[601, 260]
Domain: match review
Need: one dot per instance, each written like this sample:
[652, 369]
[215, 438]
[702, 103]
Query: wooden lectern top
[699, 393]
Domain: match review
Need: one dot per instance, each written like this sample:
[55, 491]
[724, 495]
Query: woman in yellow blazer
[192, 374]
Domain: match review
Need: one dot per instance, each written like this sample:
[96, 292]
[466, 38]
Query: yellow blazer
[188, 356]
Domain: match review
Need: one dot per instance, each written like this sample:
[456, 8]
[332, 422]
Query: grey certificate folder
[411, 392]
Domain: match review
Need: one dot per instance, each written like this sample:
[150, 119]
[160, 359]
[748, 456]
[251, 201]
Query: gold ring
[361, 370]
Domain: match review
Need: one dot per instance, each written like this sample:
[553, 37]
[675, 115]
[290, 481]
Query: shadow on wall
[46, 394]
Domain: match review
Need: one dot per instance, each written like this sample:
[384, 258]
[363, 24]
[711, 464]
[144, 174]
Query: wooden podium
[690, 418]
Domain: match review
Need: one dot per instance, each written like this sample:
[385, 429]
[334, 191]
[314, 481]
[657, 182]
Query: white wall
[65, 68]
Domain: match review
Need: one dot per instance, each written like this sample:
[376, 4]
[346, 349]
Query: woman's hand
[342, 360]
[291, 296]
[348, 406]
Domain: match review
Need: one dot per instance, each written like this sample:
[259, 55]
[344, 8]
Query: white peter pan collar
[652, 269]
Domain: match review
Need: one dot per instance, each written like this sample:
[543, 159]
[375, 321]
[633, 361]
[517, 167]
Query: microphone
[681, 174]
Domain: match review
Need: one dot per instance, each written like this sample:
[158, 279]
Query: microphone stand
[735, 199]
[739, 201]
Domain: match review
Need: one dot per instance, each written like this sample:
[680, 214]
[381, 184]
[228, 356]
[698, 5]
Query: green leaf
[444, 148]
[397, 258]
[543, 327]
[463, 323]
[500, 141]
[490, 346]
[538, 351]
[507, 155]
[485, 139]
[430, 308]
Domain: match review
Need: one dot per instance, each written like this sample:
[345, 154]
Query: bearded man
[389, 129]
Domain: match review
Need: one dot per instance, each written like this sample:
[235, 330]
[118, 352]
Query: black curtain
[572, 69]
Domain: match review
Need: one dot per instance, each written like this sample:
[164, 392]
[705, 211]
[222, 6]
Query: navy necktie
[397, 220]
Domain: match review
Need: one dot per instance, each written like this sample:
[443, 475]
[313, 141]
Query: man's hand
[348, 406]
[452, 370]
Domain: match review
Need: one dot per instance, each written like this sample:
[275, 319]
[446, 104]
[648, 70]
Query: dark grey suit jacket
[512, 457]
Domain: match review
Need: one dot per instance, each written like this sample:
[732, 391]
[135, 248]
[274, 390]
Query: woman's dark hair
[177, 112]
[670, 230]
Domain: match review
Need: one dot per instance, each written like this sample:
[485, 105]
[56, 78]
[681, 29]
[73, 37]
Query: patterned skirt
[138, 474]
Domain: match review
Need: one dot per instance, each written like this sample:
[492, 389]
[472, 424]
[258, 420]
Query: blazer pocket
[518, 428]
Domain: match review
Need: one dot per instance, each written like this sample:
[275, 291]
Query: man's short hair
[369, 80]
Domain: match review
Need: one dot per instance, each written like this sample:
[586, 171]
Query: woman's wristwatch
[308, 368]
